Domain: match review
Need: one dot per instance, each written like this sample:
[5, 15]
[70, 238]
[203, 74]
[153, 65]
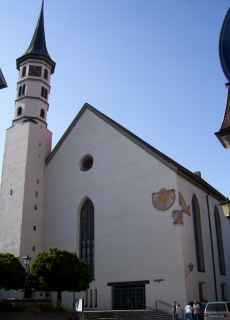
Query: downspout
[213, 261]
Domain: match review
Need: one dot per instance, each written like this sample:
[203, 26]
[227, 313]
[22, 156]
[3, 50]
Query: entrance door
[127, 298]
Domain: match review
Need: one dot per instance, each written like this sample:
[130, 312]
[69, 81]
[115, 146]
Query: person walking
[188, 311]
[196, 310]
[174, 310]
[178, 311]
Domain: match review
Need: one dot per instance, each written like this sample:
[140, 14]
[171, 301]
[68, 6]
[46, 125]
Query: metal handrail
[145, 305]
[165, 303]
[169, 306]
[163, 311]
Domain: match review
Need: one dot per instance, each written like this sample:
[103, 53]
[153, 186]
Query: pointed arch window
[198, 235]
[87, 233]
[19, 112]
[219, 242]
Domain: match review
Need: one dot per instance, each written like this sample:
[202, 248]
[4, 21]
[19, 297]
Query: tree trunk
[58, 297]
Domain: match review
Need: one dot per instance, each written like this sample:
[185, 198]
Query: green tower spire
[37, 48]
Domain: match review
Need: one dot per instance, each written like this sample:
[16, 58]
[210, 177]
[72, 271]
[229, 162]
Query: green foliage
[61, 307]
[59, 270]
[46, 308]
[12, 273]
[71, 310]
[33, 309]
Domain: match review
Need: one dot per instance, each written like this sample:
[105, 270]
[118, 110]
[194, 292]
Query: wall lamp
[26, 262]
[190, 266]
[226, 208]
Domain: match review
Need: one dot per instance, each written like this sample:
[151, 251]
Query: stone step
[127, 315]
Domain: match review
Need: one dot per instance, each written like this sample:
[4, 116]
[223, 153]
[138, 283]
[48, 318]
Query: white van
[217, 310]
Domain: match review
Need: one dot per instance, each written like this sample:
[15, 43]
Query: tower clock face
[35, 71]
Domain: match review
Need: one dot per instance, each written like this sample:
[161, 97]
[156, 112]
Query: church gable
[118, 177]
[112, 152]
[166, 161]
[128, 134]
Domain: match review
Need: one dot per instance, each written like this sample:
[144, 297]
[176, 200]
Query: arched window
[87, 233]
[46, 74]
[19, 112]
[42, 113]
[198, 235]
[21, 90]
[23, 71]
[219, 242]
[44, 92]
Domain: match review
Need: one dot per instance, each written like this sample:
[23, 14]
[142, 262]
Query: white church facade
[136, 216]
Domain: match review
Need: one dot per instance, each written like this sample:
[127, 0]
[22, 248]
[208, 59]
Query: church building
[151, 230]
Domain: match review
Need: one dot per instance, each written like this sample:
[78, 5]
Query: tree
[12, 273]
[59, 270]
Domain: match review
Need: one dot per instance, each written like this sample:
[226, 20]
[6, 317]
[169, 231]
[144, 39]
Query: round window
[86, 163]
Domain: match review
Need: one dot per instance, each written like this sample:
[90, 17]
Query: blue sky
[151, 65]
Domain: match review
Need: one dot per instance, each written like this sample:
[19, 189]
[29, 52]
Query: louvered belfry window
[87, 233]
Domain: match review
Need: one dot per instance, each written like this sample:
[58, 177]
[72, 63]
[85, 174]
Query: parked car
[202, 308]
[217, 310]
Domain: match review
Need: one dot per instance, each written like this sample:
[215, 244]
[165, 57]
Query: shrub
[34, 309]
[61, 307]
[46, 308]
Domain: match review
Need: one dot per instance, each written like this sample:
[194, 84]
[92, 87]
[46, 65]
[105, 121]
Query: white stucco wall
[27, 146]
[13, 175]
[207, 277]
[133, 240]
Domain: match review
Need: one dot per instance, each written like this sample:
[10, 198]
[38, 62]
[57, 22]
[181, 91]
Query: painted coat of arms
[164, 199]
[177, 216]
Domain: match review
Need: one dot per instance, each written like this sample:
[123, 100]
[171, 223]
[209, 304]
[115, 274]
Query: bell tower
[35, 68]
[28, 143]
